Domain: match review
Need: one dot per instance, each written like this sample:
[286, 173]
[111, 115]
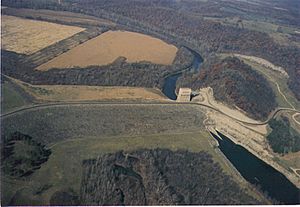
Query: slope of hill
[235, 83]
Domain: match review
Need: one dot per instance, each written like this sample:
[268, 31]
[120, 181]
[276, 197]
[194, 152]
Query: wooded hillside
[158, 177]
[235, 83]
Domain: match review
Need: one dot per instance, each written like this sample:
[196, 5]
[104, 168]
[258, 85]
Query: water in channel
[257, 172]
[170, 82]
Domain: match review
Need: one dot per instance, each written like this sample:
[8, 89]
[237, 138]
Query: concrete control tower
[184, 95]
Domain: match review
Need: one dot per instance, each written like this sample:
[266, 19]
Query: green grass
[53, 124]
[11, 98]
[293, 124]
[63, 169]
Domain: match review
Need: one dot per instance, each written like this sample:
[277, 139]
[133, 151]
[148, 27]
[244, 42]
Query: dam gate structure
[184, 95]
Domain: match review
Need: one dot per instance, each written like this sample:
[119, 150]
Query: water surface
[257, 172]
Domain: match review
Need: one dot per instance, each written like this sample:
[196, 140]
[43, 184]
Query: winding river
[253, 169]
[170, 81]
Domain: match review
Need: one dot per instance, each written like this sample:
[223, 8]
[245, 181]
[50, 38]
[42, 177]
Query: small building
[184, 95]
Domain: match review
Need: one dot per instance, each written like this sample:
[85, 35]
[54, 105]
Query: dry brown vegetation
[87, 93]
[107, 47]
[28, 36]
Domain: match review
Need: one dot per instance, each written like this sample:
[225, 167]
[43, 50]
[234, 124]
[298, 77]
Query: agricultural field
[45, 93]
[28, 36]
[54, 50]
[107, 47]
[76, 133]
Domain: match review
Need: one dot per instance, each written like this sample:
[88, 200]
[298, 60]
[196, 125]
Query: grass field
[28, 36]
[88, 93]
[63, 169]
[11, 98]
[92, 93]
[51, 124]
[75, 133]
[110, 45]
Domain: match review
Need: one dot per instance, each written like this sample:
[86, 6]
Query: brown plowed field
[107, 47]
[29, 36]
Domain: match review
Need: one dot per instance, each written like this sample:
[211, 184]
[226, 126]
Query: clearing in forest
[110, 45]
[29, 36]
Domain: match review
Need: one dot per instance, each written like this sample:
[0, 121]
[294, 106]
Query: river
[257, 172]
[170, 82]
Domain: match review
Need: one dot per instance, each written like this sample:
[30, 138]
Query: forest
[158, 177]
[283, 138]
[235, 83]
[21, 155]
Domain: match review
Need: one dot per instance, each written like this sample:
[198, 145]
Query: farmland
[54, 50]
[107, 47]
[28, 36]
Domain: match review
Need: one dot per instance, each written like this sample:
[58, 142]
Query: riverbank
[251, 137]
[257, 172]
